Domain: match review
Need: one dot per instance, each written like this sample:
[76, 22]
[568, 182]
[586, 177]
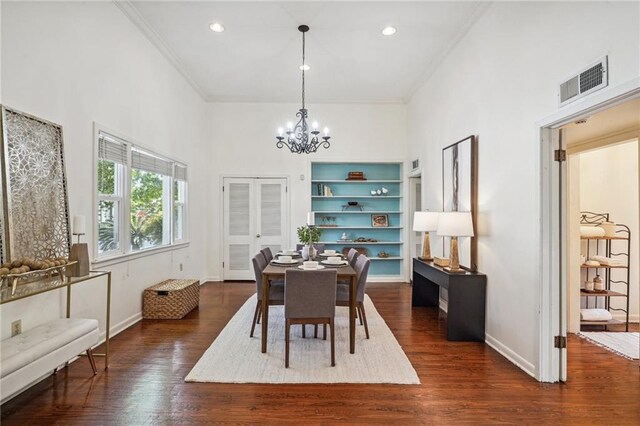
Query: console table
[466, 301]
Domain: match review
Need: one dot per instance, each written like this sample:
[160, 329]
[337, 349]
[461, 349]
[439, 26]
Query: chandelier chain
[303, 63]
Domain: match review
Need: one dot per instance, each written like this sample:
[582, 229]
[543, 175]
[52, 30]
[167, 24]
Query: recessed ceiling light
[388, 31]
[216, 27]
[304, 67]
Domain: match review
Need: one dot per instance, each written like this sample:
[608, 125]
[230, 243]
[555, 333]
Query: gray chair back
[310, 294]
[268, 255]
[259, 263]
[352, 256]
[362, 271]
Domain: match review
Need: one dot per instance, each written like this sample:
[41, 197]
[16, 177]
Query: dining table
[277, 272]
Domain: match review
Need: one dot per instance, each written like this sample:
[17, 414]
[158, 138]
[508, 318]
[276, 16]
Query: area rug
[234, 357]
[625, 344]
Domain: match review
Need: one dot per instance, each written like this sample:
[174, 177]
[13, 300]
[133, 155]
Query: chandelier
[299, 139]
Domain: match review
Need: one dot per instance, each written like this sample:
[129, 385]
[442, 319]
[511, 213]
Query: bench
[29, 356]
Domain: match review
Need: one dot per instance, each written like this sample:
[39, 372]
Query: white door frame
[413, 174]
[221, 179]
[549, 303]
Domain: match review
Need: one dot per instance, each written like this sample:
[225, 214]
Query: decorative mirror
[35, 208]
[460, 192]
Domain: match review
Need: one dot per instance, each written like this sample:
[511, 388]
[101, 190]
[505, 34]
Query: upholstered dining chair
[310, 298]
[276, 290]
[268, 255]
[342, 298]
[352, 256]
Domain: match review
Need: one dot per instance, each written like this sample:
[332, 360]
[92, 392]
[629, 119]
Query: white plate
[278, 261]
[331, 255]
[342, 263]
[311, 269]
[288, 253]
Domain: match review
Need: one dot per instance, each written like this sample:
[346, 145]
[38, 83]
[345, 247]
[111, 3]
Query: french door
[255, 216]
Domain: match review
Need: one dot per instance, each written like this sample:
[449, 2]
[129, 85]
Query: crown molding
[130, 11]
[431, 68]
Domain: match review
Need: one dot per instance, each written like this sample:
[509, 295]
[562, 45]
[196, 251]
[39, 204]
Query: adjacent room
[416, 212]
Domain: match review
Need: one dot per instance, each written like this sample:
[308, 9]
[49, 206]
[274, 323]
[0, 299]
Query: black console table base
[466, 298]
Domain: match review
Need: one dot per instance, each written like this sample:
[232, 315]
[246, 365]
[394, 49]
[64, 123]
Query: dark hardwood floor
[461, 382]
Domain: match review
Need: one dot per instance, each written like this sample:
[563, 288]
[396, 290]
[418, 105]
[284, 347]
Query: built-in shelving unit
[336, 217]
[617, 287]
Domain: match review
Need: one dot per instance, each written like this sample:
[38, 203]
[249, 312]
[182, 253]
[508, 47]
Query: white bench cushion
[34, 344]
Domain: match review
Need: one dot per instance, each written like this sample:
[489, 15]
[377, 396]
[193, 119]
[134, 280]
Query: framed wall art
[460, 192]
[379, 220]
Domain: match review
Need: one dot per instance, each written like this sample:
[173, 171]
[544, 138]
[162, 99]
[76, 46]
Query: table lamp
[425, 222]
[454, 225]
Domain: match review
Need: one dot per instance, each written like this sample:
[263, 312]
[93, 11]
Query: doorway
[255, 216]
[415, 205]
[553, 239]
[603, 210]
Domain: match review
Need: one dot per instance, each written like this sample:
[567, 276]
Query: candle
[79, 225]
[280, 131]
[311, 219]
[326, 131]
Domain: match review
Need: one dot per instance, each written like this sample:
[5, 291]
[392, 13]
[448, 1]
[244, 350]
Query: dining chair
[342, 298]
[276, 290]
[268, 255]
[310, 298]
[352, 256]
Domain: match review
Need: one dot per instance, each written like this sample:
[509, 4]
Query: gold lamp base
[426, 248]
[454, 258]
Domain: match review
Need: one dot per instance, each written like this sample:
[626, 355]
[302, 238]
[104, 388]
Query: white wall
[497, 82]
[74, 63]
[243, 144]
[609, 184]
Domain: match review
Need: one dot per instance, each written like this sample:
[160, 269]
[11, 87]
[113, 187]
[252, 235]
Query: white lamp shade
[425, 221]
[455, 224]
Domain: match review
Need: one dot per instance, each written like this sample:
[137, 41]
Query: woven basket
[170, 299]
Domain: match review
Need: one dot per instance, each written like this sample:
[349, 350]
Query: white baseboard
[503, 350]
[208, 279]
[121, 326]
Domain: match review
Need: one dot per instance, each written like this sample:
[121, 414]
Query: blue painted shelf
[343, 219]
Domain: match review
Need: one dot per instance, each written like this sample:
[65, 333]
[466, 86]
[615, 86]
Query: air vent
[592, 78]
[415, 164]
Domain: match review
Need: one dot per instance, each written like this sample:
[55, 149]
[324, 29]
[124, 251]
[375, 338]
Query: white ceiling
[256, 59]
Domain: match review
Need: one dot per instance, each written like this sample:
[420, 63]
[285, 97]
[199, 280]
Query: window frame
[125, 251]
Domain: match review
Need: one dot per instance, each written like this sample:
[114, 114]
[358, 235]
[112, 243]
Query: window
[141, 198]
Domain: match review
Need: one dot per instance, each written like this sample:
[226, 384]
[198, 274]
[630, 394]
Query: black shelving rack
[613, 288]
